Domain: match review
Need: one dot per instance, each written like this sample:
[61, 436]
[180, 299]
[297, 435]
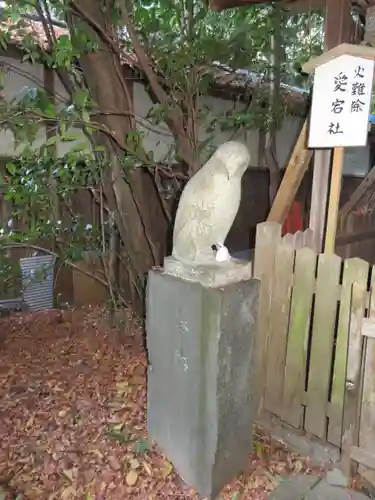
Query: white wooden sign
[341, 103]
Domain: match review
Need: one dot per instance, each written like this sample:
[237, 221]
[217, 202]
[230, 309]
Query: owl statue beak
[233, 172]
[230, 172]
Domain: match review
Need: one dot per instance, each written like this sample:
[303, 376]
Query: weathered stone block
[201, 402]
[216, 274]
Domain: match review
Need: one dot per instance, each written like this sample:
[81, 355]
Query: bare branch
[95, 26]
[51, 39]
[47, 26]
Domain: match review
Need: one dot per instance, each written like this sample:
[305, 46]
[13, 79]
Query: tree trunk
[134, 201]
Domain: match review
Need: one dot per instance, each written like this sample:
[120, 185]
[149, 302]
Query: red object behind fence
[294, 219]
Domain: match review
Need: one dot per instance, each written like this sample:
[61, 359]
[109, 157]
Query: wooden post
[334, 200]
[337, 29]
[338, 24]
[319, 195]
[297, 166]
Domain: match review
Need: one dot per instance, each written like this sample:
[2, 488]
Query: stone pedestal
[213, 274]
[201, 402]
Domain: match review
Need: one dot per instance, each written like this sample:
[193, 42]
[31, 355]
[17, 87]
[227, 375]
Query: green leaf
[118, 434]
[11, 168]
[78, 147]
[71, 137]
[80, 98]
[141, 446]
[52, 140]
[86, 116]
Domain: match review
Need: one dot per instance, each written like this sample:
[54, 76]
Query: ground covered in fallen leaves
[73, 417]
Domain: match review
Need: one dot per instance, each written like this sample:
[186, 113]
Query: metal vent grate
[37, 281]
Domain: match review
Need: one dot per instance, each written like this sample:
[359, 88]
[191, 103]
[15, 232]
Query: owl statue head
[234, 156]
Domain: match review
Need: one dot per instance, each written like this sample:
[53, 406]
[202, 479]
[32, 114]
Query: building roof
[301, 5]
[29, 27]
[226, 81]
[243, 80]
[297, 5]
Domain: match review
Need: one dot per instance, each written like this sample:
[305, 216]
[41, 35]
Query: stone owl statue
[208, 206]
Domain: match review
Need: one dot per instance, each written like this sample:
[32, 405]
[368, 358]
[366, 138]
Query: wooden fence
[362, 434]
[316, 370]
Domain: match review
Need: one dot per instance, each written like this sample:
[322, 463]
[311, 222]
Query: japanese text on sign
[341, 103]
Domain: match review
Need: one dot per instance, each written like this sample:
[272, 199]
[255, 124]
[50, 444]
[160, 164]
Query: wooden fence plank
[295, 365]
[288, 239]
[355, 270]
[298, 239]
[368, 327]
[367, 422]
[279, 320]
[268, 238]
[354, 378]
[329, 267]
[308, 238]
[355, 326]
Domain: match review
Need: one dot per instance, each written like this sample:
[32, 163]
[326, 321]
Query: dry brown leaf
[30, 422]
[131, 477]
[116, 405]
[54, 447]
[68, 473]
[138, 379]
[97, 453]
[114, 462]
[298, 466]
[117, 427]
[122, 388]
[134, 463]
[147, 468]
[166, 469]
[274, 481]
[69, 493]
[122, 385]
